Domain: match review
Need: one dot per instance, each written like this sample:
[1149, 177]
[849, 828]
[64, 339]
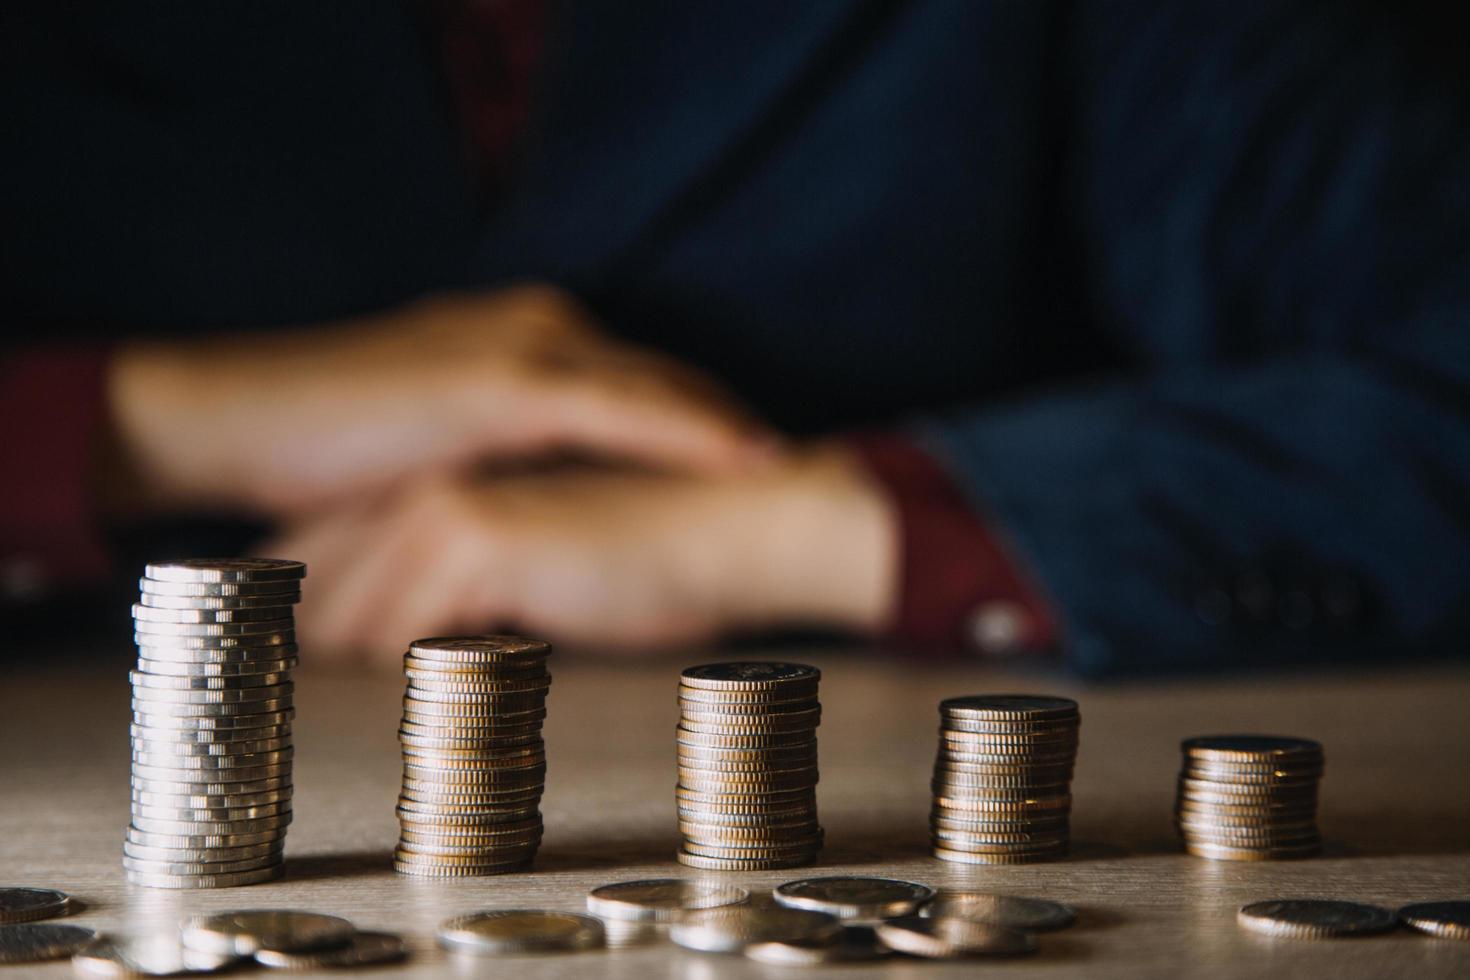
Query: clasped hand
[381, 448]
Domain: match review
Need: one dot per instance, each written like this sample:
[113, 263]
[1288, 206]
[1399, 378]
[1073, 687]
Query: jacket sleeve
[53, 412]
[1271, 209]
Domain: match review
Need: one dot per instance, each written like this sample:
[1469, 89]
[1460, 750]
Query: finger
[430, 599]
[639, 409]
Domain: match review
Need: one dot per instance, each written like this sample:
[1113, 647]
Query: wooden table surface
[1395, 809]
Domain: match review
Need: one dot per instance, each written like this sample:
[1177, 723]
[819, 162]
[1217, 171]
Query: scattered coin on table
[364, 949]
[158, 954]
[509, 931]
[854, 944]
[245, 932]
[747, 766]
[22, 904]
[660, 899]
[1315, 918]
[940, 938]
[732, 929]
[212, 713]
[1249, 797]
[33, 942]
[474, 763]
[1002, 778]
[1010, 911]
[854, 897]
[1448, 920]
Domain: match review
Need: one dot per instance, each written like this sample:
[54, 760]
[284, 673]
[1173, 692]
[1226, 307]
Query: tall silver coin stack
[747, 740]
[212, 713]
[1003, 778]
[474, 764]
[1249, 797]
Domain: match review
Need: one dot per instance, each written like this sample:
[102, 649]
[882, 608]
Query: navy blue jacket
[1180, 292]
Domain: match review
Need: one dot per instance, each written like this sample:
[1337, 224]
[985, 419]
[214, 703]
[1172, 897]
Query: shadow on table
[351, 864]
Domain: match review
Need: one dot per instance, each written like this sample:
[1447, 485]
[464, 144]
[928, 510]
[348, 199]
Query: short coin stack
[1002, 778]
[1249, 797]
[212, 714]
[474, 764]
[747, 796]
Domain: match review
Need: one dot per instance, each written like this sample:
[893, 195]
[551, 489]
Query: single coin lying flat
[365, 949]
[854, 897]
[505, 931]
[1010, 911]
[1448, 920]
[33, 942]
[660, 899]
[21, 904]
[1315, 918]
[732, 929]
[248, 931]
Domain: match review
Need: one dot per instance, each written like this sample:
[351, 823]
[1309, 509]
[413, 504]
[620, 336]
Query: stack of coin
[211, 730]
[474, 765]
[1002, 778]
[1249, 797]
[747, 794]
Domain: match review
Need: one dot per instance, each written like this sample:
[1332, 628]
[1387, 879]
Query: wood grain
[1396, 810]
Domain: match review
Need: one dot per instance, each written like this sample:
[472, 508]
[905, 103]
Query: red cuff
[958, 586]
[53, 406]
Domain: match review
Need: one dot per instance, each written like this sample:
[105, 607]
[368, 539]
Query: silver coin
[854, 897]
[236, 815]
[33, 942]
[155, 615]
[208, 590]
[731, 929]
[1020, 707]
[234, 880]
[221, 723]
[1449, 920]
[265, 627]
[952, 938]
[520, 931]
[365, 949]
[201, 828]
[194, 682]
[190, 747]
[175, 760]
[21, 904]
[856, 944]
[220, 655]
[150, 955]
[660, 899]
[478, 649]
[1012, 912]
[249, 668]
[203, 855]
[181, 867]
[244, 774]
[1315, 918]
[171, 709]
[225, 570]
[748, 675]
[247, 931]
[202, 841]
[185, 602]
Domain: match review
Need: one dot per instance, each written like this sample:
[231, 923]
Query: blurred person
[1133, 331]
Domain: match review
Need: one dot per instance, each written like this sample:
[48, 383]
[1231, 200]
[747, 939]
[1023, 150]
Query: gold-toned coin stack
[1249, 797]
[212, 713]
[1002, 778]
[747, 793]
[474, 764]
